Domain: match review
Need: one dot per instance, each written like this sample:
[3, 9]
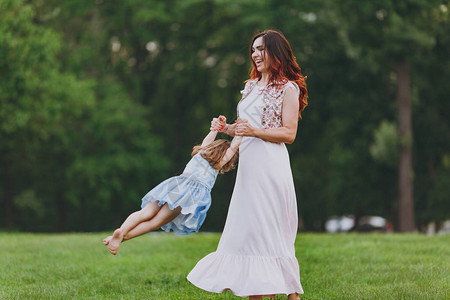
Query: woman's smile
[259, 54]
[259, 62]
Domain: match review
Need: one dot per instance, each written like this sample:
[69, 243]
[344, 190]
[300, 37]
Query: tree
[388, 35]
[106, 99]
[69, 146]
[34, 96]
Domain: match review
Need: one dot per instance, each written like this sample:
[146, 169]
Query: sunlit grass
[349, 266]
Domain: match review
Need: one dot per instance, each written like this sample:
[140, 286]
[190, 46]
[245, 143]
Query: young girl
[180, 203]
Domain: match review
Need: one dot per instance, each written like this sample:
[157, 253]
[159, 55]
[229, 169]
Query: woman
[256, 254]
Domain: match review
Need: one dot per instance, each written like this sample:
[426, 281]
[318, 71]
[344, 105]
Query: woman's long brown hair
[214, 153]
[282, 64]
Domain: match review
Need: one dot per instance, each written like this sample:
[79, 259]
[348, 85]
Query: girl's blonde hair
[214, 153]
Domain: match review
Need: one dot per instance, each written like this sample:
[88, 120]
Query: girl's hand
[222, 122]
[244, 128]
[218, 124]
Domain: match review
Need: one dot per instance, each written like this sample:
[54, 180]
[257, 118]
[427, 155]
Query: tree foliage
[101, 100]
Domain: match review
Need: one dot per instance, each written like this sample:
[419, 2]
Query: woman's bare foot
[107, 240]
[293, 296]
[115, 241]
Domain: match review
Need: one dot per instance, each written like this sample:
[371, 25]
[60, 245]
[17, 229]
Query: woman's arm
[229, 129]
[234, 147]
[284, 134]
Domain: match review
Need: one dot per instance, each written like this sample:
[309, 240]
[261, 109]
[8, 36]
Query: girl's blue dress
[191, 191]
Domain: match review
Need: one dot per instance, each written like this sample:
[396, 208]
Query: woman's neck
[264, 79]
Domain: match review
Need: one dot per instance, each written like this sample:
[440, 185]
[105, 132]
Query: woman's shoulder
[291, 85]
[249, 83]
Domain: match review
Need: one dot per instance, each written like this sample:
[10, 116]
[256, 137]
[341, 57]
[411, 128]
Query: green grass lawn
[344, 266]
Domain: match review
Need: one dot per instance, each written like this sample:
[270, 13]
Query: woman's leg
[164, 216]
[293, 296]
[148, 212]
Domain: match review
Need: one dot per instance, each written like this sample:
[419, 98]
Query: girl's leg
[148, 212]
[164, 216]
[140, 229]
[147, 226]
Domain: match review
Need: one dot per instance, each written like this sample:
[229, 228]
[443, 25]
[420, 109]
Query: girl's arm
[284, 134]
[234, 147]
[217, 124]
[209, 138]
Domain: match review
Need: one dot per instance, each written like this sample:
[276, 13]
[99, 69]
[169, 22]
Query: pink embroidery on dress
[273, 95]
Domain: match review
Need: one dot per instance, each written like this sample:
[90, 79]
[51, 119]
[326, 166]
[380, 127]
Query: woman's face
[259, 55]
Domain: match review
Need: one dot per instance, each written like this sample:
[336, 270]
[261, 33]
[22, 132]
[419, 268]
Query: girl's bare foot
[115, 241]
[107, 240]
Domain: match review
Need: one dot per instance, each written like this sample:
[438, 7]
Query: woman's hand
[244, 128]
[229, 129]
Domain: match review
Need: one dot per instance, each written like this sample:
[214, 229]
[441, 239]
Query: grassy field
[347, 266]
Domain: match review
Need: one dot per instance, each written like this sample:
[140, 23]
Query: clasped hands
[241, 127]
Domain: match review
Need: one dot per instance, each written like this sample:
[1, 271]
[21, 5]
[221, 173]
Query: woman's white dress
[256, 254]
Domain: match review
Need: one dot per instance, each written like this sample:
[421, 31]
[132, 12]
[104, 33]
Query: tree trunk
[405, 171]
